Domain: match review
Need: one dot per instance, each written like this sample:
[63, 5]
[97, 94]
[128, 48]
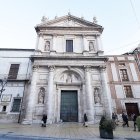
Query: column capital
[102, 68]
[84, 35]
[54, 35]
[87, 68]
[51, 68]
[35, 67]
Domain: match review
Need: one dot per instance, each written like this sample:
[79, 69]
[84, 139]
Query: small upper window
[121, 64]
[69, 45]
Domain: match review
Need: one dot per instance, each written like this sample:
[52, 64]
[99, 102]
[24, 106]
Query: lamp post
[3, 83]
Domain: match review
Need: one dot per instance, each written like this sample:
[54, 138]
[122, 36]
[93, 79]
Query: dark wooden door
[132, 108]
[69, 106]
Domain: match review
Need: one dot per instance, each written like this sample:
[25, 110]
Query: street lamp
[3, 82]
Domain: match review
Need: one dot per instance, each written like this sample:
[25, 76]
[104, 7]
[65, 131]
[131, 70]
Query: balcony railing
[18, 77]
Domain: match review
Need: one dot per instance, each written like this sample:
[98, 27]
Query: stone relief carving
[91, 46]
[41, 95]
[97, 97]
[69, 77]
[47, 46]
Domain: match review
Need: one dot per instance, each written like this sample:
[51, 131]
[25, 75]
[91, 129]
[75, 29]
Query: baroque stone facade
[68, 73]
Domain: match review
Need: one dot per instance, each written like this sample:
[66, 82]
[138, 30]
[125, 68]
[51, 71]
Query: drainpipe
[21, 108]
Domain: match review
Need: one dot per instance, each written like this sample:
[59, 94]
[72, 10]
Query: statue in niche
[91, 46]
[47, 46]
[69, 78]
[41, 95]
[97, 96]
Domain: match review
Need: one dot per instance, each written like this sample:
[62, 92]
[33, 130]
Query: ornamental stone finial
[44, 19]
[82, 17]
[94, 20]
[69, 13]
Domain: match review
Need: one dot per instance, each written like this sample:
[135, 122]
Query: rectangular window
[69, 45]
[13, 72]
[121, 64]
[16, 105]
[128, 91]
[124, 75]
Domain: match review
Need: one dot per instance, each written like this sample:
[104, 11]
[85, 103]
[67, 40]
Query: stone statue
[69, 78]
[41, 95]
[47, 46]
[91, 46]
[97, 96]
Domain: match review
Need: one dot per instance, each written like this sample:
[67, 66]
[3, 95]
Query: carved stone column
[106, 93]
[31, 97]
[89, 96]
[50, 97]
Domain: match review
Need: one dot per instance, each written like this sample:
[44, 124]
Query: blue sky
[120, 20]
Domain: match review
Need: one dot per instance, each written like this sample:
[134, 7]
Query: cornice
[40, 57]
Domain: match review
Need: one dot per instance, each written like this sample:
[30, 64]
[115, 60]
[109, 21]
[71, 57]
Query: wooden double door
[69, 106]
[132, 108]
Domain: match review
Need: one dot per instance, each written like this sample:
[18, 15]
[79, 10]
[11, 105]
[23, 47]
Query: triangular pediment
[68, 21]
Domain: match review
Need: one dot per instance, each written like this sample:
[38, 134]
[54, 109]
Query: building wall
[14, 89]
[119, 98]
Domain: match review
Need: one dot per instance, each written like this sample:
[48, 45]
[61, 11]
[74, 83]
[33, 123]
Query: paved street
[66, 131]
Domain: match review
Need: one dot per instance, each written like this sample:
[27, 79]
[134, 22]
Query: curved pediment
[69, 77]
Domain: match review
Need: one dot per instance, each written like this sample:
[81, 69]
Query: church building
[68, 73]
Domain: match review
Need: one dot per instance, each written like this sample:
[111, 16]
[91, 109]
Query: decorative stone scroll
[51, 68]
[35, 67]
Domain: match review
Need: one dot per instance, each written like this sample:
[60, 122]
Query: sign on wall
[6, 97]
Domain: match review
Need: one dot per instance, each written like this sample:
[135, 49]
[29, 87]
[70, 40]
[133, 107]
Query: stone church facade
[68, 73]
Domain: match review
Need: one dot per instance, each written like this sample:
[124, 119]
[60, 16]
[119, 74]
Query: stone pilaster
[50, 97]
[106, 93]
[85, 49]
[31, 97]
[89, 96]
[99, 45]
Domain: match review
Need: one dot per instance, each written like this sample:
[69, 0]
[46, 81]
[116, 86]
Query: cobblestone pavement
[66, 131]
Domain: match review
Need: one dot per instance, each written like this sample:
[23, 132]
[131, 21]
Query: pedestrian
[85, 120]
[44, 120]
[134, 117]
[125, 119]
[115, 119]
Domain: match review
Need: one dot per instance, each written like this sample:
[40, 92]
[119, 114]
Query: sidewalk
[66, 130]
